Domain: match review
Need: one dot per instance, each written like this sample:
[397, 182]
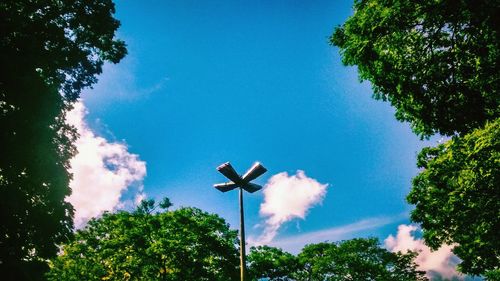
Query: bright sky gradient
[207, 82]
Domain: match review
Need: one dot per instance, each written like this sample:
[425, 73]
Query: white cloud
[442, 261]
[295, 243]
[286, 198]
[103, 172]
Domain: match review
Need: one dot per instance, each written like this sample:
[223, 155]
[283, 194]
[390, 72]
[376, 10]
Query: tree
[356, 259]
[436, 62]
[272, 263]
[457, 198]
[185, 244]
[49, 51]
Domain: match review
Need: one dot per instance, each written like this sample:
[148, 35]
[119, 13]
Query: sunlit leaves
[356, 259]
[457, 197]
[185, 244]
[272, 263]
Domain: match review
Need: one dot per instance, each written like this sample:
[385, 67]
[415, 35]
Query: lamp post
[243, 183]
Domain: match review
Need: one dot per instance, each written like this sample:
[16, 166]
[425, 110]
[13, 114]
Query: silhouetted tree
[436, 62]
[49, 51]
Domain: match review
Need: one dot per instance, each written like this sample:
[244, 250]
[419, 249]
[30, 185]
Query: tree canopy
[357, 259]
[457, 198]
[64, 42]
[49, 51]
[272, 263]
[189, 244]
[436, 62]
[185, 244]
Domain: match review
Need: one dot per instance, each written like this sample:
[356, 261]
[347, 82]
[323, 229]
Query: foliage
[272, 263]
[36, 147]
[49, 51]
[436, 61]
[65, 42]
[356, 259]
[457, 197]
[185, 244]
[493, 275]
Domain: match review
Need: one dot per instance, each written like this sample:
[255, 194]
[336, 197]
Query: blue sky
[207, 82]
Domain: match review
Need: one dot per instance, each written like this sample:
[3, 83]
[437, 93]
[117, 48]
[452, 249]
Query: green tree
[185, 244]
[49, 51]
[272, 263]
[436, 62]
[356, 259]
[457, 197]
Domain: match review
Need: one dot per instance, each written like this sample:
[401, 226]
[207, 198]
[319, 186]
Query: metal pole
[242, 239]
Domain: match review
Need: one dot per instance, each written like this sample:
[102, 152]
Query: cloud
[105, 175]
[286, 198]
[441, 262]
[118, 83]
[295, 243]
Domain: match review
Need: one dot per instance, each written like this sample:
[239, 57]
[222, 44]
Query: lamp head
[225, 187]
[228, 171]
[254, 172]
[252, 187]
[237, 181]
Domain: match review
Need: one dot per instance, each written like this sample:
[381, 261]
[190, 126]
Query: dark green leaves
[66, 42]
[165, 203]
[36, 148]
[49, 51]
[435, 61]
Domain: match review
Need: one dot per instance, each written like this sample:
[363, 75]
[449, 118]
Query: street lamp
[243, 182]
